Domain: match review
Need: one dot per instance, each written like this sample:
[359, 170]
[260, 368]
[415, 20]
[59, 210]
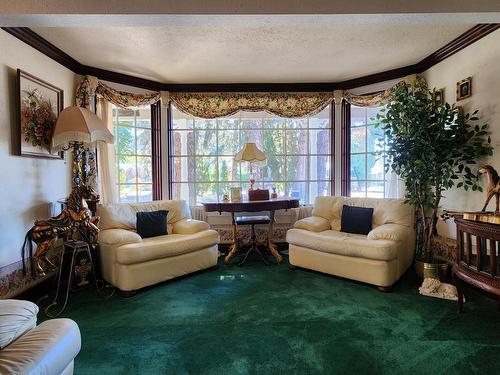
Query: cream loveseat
[130, 262]
[379, 258]
[25, 348]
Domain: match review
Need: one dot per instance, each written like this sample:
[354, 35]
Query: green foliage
[432, 147]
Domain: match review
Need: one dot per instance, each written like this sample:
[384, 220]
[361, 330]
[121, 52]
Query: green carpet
[270, 320]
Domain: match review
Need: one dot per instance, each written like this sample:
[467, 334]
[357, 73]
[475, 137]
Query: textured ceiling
[267, 49]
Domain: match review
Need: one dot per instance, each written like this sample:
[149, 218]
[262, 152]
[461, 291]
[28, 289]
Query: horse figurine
[75, 217]
[493, 186]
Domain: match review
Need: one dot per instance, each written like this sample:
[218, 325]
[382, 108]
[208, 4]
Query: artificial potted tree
[433, 147]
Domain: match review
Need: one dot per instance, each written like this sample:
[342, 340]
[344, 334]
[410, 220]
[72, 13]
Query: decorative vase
[437, 270]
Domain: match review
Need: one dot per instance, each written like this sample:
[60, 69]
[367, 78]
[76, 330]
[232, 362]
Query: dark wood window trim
[332, 148]
[170, 148]
[345, 121]
[156, 150]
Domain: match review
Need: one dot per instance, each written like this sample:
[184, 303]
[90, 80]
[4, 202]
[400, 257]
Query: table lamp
[251, 154]
[78, 128]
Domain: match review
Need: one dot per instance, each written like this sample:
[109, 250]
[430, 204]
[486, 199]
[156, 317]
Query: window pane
[251, 123]
[319, 188]
[321, 120]
[296, 123]
[273, 142]
[375, 139]
[206, 142]
[228, 169]
[145, 193]
[128, 193]
[274, 170]
[319, 141]
[200, 123]
[182, 143]
[126, 141]
[143, 141]
[228, 123]
[358, 116]
[206, 192]
[371, 114]
[228, 142]
[358, 188]
[319, 167]
[375, 189]
[358, 167]
[358, 141]
[127, 170]
[183, 169]
[181, 121]
[206, 169]
[297, 190]
[144, 169]
[375, 167]
[274, 123]
[296, 142]
[296, 168]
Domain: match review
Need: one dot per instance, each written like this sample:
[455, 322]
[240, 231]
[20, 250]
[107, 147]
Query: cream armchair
[25, 348]
[130, 262]
[379, 258]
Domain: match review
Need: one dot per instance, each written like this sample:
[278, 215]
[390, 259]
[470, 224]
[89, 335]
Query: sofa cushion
[348, 244]
[152, 224]
[313, 224]
[123, 215]
[385, 210]
[356, 219]
[165, 246]
[16, 318]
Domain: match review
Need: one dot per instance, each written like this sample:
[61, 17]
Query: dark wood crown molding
[31, 38]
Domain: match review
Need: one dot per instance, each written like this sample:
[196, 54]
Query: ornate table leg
[270, 244]
[234, 246]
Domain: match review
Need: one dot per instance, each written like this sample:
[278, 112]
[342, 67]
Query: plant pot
[437, 270]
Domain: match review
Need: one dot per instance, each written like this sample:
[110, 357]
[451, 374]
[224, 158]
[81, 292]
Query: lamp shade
[251, 153]
[79, 125]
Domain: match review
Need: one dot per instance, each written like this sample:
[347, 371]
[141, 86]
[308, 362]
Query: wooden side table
[480, 268]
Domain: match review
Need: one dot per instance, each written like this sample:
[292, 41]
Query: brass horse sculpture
[75, 217]
[493, 186]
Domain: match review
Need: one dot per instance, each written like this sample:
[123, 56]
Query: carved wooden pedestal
[477, 257]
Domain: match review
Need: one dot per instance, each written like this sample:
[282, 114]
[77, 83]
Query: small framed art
[439, 97]
[236, 194]
[464, 88]
[39, 105]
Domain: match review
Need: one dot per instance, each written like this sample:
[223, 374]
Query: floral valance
[378, 98]
[212, 105]
[91, 86]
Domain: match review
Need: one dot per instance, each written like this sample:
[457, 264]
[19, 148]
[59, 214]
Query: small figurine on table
[274, 195]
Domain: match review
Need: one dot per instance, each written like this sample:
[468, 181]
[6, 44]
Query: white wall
[481, 61]
[29, 186]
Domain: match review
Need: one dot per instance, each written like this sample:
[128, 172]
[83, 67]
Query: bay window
[298, 152]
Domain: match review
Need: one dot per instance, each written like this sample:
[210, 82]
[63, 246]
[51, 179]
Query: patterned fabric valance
[378, 98]
[212, 105]
[91, 86]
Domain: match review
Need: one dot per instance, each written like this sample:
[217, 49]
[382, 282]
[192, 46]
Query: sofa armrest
[313, 224]
[118, 237]
[189, 226]
[394, 232]
[46, 349]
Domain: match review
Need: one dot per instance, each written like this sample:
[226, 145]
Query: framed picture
[39, 106]
[464, 88]
[236, 194]
[439, 97]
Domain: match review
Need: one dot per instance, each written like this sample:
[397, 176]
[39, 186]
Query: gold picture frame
[464, 88]
[236, 194]
[439, 97]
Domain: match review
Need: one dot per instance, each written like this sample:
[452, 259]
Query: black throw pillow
[356, 219]
[152, 224]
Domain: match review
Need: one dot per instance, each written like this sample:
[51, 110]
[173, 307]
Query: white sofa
[25, 348]
[130, 262]
[379, 258]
